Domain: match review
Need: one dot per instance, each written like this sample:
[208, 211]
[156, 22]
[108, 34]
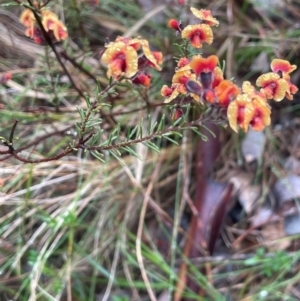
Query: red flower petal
[226, 91]
[5, 78]
[200, 64]
[177, 113]
[209, 96]
[174, 24]
[166, 91]
[142, 79]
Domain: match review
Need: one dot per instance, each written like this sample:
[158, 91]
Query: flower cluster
[130, 57]
[50, 22]
[277, 85]
[197, 33]
[201, 80]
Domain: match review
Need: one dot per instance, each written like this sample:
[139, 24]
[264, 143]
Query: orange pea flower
[204, 68]
[143, 79]
[284, 87]
[154, 59]
[179, 81]
[36, 34]
[197, 34]
[184, 61]
[203, 80]
[226, 91]
[60, 31]
[249, 109]
[262, 111]
[200, 64]
[27, 18]
[282, 66]
[50, 23]
[169, 93]
[48, 19]
[121, 58]
[174, 24]
[32, 31]
[181, 77]
[262, 114]
[273, 86]
[205, 15]
[240, 112]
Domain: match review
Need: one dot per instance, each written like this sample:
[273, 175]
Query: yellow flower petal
[197, 34]
[205, 15]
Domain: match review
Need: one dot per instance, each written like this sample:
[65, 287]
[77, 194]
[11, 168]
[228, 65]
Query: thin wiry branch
[51, 44]
[69, 150]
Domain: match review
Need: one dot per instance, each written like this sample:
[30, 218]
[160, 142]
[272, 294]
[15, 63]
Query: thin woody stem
[9, 143]
[11, 136]
[69, 150]
[171, 129]
[35, 142]
[51, 44]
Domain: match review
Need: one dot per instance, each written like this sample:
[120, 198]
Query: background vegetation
[115, 224]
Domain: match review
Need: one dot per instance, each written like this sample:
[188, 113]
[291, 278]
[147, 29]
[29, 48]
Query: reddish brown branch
[56, 157]
[211, 201]
[33, 143]
[81, 143]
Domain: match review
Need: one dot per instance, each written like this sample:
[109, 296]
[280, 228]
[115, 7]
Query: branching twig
[146, 138]
[33, 143]
[82, 141]
[51, 44]
[11, 136]
[69, 150]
